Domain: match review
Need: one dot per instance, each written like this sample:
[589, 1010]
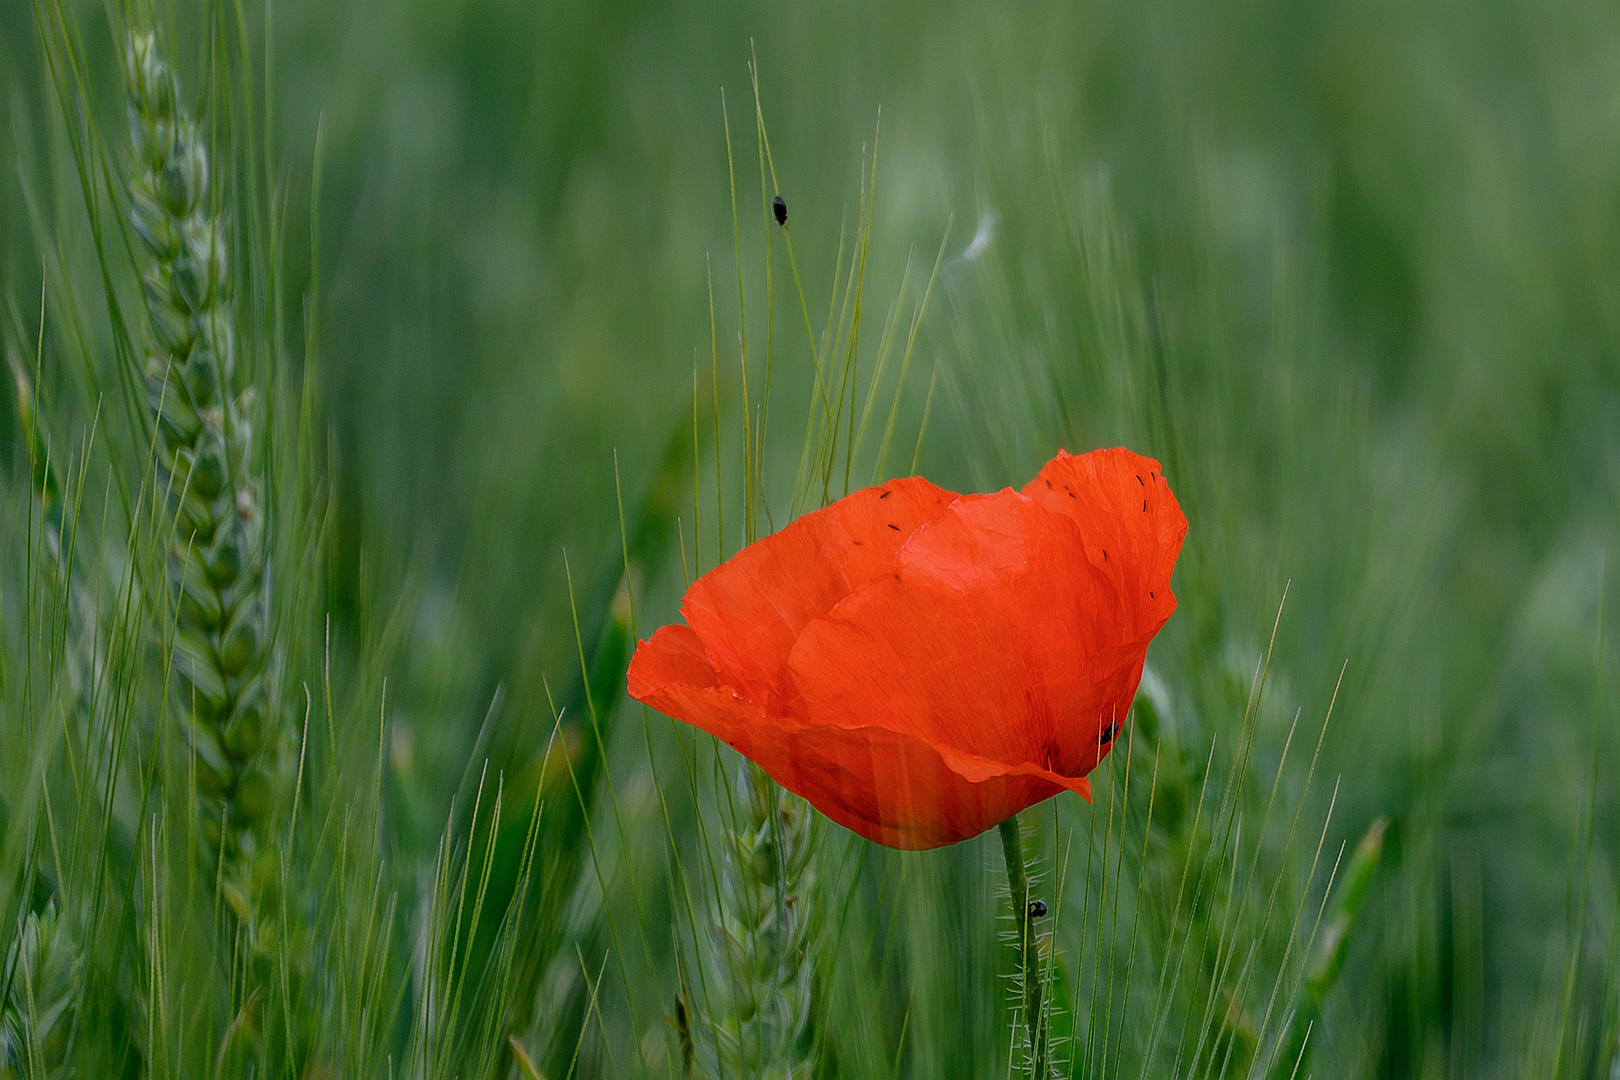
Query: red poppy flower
[922, 665]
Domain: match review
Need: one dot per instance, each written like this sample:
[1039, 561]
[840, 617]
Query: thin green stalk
[1584, 846]
[905, 359]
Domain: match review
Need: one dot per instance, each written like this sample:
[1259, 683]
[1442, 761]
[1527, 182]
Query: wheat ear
[223, 656]
[764, 936]
[42, 977]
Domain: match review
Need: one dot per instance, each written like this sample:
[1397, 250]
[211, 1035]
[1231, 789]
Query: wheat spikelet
[764, 936]
[42, 977]
[223, 657]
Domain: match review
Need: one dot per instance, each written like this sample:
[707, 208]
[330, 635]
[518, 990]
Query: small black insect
[779, 208]
[1108, 732]
[1037, 909]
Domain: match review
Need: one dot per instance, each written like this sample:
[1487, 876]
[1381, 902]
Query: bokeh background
[1351, 270]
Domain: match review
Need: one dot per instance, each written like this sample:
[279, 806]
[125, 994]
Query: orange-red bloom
[922, 665]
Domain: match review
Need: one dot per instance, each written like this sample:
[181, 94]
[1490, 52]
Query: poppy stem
[1025, 913]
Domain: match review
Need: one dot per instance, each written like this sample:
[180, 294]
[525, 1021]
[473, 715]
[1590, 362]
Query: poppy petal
[1130, 520]
[888, 786]
[995, 641]
[891, 787]
[749, 610]
[672, 656]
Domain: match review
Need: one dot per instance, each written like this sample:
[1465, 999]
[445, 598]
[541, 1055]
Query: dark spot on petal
[886, 493]
[1150, 596]
[1108, 732]
[1105, 554]
[1144, 506]
[896, 528]
[1049, 483]
[1139, 480]
[859, 544]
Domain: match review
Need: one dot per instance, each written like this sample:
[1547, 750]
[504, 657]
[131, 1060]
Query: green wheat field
[378, 373]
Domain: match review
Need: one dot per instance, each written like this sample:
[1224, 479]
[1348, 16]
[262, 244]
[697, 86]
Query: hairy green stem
[1029, 960]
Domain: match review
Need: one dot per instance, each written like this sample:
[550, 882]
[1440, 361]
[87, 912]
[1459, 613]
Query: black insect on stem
[1037, 909]
[779, 208]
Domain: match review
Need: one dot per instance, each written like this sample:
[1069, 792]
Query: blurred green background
[1350, 269]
